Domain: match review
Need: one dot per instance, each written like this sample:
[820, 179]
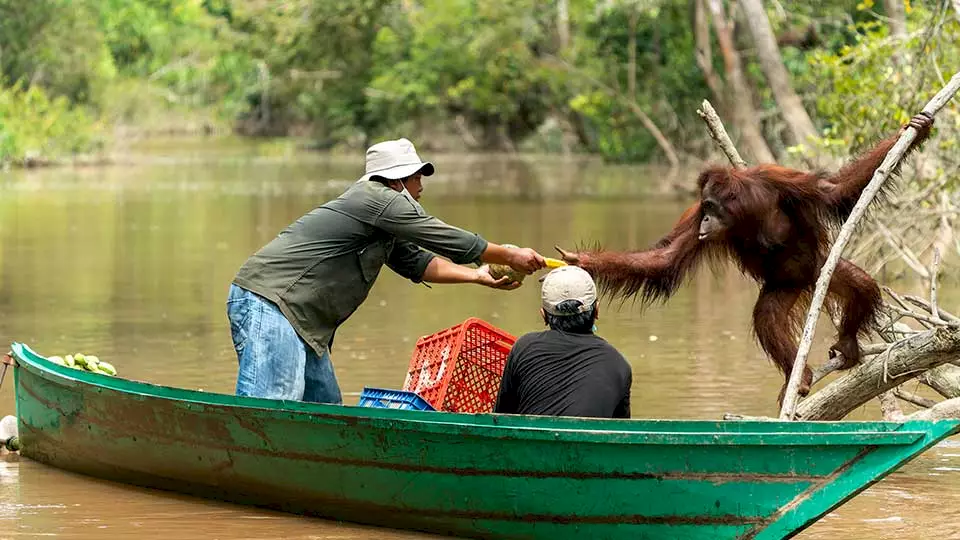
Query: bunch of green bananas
[86, 362]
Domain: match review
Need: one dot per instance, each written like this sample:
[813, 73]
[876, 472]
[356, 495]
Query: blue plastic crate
[381, 398]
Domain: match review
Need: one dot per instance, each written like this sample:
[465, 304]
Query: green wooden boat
[483, 476]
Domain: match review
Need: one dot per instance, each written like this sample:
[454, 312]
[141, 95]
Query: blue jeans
[275, 362]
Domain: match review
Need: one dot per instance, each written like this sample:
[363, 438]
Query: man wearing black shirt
[566, 370]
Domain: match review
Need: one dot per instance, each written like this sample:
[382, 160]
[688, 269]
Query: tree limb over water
[907, 353]
[889, 163]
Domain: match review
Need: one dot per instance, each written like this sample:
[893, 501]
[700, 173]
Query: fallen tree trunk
[904, 360]
[941, 411]
[944, 379]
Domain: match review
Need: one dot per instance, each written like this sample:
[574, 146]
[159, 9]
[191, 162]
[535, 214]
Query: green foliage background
[344, 73]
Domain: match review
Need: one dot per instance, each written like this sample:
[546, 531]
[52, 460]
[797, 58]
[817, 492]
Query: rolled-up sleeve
[407, 221]
[409, 261]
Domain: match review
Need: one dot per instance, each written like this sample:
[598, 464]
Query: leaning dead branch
[629, 101]
[890, 407]
[827, 368]
[905, 252]
[934, 272]
[917, 400]
[923, 304]
[907, 352]
[889, 163]
[922, 317]
[719, 134]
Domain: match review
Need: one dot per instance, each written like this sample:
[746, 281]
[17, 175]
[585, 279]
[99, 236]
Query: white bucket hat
[568, 283]
[395, 160]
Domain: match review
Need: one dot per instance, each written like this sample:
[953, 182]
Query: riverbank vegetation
[794, 80]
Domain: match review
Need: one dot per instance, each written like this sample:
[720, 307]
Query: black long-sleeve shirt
[554, 373]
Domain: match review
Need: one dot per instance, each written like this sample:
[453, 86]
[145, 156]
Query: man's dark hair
[386, 181]
[576, 323]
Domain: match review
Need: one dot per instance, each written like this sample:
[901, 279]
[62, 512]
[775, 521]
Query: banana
[107, 368]
[92, 362]
[85, 362]
[57, 360]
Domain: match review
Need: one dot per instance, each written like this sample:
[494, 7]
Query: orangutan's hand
[568, 256]
[921, 122]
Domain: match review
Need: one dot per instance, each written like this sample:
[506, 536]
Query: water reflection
[133, 262]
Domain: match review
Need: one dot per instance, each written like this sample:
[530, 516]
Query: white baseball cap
[568, 283]
[395, 160]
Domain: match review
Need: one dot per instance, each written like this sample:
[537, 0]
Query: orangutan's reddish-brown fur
[779, 222]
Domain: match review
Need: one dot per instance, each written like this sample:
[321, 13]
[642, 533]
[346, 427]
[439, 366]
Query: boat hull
[484, 476]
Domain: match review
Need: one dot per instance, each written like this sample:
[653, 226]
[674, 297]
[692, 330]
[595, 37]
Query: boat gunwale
[558, 429]
[876, 438]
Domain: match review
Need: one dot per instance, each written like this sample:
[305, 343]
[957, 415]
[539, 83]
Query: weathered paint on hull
[487, 476]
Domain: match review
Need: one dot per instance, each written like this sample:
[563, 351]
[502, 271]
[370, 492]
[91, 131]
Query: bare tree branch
[880, 176]
[741, 102]
[921, 303]
[907, 359]
[791, 107]
[662, 140]
[945, 409]
[905, 253]
[829, 367]
[910, 397]
[719, 134]
[890, 408]
[703, 51]
[944, 379]
[924, 318]
[934, 272]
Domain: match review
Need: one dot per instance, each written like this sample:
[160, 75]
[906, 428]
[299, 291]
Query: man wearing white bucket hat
[288, 299]
[566, 370]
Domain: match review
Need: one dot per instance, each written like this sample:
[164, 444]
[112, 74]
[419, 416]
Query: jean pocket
[239, 312]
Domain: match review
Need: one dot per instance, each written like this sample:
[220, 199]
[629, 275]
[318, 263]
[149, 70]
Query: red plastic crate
[459, 369]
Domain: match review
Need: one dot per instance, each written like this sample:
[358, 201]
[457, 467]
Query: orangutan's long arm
[654, 274]
[842, 189]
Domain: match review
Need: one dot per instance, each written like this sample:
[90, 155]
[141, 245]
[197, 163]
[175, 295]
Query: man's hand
[525, 260]
[484, 278]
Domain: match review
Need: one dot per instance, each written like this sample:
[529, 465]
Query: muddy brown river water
[132, 262]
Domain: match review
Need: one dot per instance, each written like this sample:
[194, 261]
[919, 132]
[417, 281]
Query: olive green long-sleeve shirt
[321, 268]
